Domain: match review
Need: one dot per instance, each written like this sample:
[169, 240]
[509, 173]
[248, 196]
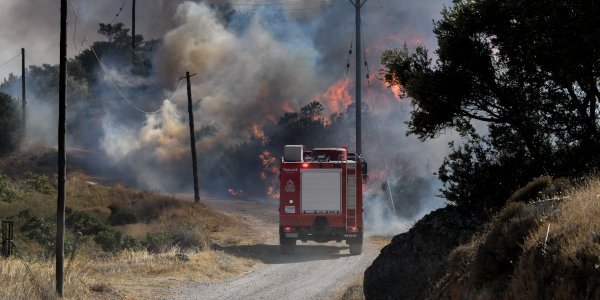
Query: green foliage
[109, 239]
[10, 124]
[160, 242]
[43, 231]
[120, 217]
[116, 33]
[82, 222]
[529, 70]
[39, 230]
[7, 194]
[132, 244]
[38, 183]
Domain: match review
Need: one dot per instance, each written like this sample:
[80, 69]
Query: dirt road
[315, 271]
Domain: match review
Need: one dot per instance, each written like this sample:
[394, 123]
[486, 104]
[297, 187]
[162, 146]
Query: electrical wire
[318, 7]
[134, 96]
[6, 62]
[292, 5]
[348, 60]
[118, 13]
[271, 3]
[110, 79]
[378, 134]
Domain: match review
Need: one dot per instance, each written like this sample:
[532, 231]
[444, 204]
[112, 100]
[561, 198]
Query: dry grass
[541, 188]
[543, 250]
[23, 279]
[126, 274]
[561, 257]
[143, 275]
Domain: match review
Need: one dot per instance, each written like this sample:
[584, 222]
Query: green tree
[10, 124]
[529, 70]
[116, 52]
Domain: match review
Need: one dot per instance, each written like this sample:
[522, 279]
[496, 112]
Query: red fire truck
[321, 197]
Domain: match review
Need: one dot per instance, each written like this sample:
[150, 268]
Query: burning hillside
[265, 78]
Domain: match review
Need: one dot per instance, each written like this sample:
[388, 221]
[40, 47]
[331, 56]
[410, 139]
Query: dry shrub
[151, 206]
[542, 250]
[36, 280]
[562, 256]
[461, 259]
[501, 248]
[542, 187]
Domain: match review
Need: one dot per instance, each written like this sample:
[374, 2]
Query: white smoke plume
[252, 66]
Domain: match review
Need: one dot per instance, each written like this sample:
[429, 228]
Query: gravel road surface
[314, 271]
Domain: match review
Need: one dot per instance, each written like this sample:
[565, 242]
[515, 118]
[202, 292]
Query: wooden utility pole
[62, 158]
[358, 5]
[193, 139]
[23, 101]
[133, 25]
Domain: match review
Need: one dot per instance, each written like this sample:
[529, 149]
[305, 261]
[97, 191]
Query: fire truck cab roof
[327, 154]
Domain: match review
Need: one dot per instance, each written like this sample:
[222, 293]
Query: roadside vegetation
[119, 242]
[519, 82]
[543, 248]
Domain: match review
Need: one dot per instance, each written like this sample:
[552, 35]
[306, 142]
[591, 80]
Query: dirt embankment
[544, 244]
[408, 267]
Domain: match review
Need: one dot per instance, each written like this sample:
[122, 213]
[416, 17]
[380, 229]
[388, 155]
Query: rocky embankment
[414, 261]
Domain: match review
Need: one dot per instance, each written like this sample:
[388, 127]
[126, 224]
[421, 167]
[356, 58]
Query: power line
[292, 5]
[110, 79]
[118, 13]
[284, 9]
[6, 62]
[133, 96]
[271, 3]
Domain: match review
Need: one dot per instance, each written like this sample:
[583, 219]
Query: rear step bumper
[322, 235]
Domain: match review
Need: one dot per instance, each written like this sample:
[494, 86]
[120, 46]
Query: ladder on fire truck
[350, 194]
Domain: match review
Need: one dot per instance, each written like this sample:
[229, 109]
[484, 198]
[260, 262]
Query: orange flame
[259, 133]
[397, 89]
[269, 173]
[336, 97]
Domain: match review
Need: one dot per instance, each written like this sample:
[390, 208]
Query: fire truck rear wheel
[356, 248]
[287, 245]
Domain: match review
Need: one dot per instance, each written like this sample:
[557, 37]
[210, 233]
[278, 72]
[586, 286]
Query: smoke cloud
[252, 64]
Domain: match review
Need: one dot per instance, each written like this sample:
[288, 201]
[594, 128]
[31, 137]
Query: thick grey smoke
[252, 66]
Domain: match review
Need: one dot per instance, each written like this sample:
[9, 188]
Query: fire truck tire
[287, 245]
[356, 248]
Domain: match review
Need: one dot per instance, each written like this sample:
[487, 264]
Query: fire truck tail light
[353, 229]
[288, 229]
[305, 165]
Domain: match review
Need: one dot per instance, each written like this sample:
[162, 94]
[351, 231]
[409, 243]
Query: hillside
[119, 243]
[547, 248]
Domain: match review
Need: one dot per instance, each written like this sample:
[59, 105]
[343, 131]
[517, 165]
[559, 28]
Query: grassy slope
[542, 250]
[124, 273]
